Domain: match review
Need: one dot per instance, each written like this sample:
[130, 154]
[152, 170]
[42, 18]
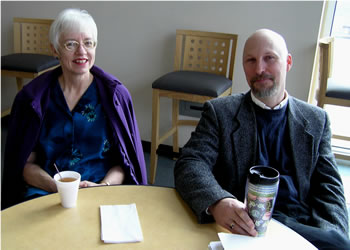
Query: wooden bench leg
[155, 135]
[175, 119]
[5, 112]
[19, 82]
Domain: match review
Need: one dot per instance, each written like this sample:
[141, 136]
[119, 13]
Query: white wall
[137, 41]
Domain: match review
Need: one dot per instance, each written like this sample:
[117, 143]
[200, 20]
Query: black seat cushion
[337, 88]
[28, 62]
[193, 82]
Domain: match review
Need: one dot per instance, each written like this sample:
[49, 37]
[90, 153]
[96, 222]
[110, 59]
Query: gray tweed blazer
[214, 163]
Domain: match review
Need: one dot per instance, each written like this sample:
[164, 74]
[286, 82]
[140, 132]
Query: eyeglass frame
[79, 44]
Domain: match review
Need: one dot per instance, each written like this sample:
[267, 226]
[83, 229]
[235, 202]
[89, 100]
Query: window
[341, 20]
[340, 29]
[335, 22]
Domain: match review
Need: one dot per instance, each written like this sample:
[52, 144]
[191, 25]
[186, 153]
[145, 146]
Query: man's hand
[231, 214]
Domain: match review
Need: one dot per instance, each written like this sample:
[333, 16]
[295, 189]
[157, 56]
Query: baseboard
[164, 150]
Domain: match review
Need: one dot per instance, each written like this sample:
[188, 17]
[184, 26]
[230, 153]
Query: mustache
[263, 76]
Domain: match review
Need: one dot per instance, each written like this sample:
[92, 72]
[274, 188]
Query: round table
[166, 221]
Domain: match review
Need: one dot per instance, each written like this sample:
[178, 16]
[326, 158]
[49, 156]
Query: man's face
[266, 63]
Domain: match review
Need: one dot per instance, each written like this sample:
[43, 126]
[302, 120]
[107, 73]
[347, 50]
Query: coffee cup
[261, 192]
[67, 183]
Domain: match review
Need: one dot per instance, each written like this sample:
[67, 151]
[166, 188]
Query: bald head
[270, 38]
[266, 62]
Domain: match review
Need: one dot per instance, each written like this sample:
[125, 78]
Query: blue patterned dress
[78, 140]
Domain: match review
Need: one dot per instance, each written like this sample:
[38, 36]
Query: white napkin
[282, 237]
[120, 224]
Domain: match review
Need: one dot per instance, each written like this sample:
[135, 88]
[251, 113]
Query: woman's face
[75, 52]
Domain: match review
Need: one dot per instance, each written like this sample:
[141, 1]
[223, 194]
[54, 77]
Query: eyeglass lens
[73, 45]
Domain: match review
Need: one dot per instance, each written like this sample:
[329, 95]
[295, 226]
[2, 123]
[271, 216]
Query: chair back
[31, 35]
[205, 52]
[325, 65]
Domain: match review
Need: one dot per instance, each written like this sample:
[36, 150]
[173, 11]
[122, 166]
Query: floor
[165, 170]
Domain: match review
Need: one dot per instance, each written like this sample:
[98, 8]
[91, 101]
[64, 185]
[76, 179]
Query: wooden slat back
[205, 52]
[32, 35]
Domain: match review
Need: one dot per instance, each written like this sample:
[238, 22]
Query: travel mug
[261, 191]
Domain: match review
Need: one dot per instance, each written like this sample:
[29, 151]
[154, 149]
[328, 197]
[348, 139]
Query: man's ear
[289, 62]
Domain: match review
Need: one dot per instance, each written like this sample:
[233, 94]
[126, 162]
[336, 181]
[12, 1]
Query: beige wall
[136, 41]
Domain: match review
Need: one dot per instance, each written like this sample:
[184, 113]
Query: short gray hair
[72, 20]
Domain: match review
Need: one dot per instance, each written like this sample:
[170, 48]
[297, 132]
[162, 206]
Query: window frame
[325, 28]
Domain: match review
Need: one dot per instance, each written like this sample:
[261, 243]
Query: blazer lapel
[301, 144]
[244, 139]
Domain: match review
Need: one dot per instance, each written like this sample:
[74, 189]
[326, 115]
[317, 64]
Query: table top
[166, 221]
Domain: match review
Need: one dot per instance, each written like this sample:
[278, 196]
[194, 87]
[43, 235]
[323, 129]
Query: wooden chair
[333, 91]
[32, 54]
[203, 70]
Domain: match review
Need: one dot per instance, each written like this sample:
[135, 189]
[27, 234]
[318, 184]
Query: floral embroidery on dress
[106, 146]
[75, 157]
[89, 113]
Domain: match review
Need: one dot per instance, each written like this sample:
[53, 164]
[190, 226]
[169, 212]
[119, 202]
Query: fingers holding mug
[238, 228]
[241, 220]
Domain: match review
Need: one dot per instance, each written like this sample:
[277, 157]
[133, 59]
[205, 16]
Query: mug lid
[263, 175]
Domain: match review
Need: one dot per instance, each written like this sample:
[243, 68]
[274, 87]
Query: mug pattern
[260, 203]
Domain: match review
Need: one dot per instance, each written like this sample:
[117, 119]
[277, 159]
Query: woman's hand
[84, 184]
[114, 176]
[231, 214]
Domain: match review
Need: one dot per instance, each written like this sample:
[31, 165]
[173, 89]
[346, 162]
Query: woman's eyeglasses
[74, 45]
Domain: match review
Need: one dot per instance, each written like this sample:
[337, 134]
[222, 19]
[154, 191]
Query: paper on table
[215, 245]
[120, 224]
[282, 238]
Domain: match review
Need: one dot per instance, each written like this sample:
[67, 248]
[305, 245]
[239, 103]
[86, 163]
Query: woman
[76, 116]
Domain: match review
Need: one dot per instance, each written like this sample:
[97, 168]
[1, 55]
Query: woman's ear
[54, 51]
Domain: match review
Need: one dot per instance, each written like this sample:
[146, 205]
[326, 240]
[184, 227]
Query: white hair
[72, 20]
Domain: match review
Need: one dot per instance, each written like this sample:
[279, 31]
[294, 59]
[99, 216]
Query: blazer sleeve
[194, 178]
[327, 194]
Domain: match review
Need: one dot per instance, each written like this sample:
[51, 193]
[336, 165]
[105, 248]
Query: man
[265, 126]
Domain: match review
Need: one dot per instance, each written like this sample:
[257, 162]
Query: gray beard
[265, 92]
